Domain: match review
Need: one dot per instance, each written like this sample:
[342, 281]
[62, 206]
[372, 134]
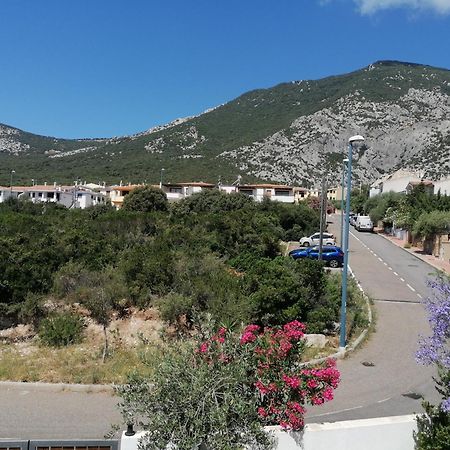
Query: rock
[316, 340]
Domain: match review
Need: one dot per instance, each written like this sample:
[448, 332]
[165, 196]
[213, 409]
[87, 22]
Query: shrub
[61, 329]
[218, 391]
[433, 427]
[32, 310]
[146, 199]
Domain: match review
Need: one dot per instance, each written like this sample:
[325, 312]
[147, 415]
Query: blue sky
[98, 68]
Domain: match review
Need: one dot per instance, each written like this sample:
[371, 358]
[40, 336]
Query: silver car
[314, 239]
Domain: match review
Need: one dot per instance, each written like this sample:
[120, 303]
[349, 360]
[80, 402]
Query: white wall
[443, 186]
[384, 433]
[398, 184]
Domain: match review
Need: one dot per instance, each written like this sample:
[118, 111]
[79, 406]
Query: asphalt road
[380, 379]
[44, 411]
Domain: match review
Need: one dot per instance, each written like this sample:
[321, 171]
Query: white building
[395, 182]
[178, 191]
[276, 192]
[68, 196]
[442, 186]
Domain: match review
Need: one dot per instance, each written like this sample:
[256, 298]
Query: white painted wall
[397, 184]
[443, 186]
[384, 433]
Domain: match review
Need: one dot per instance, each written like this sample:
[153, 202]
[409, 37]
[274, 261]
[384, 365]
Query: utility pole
[323, 215]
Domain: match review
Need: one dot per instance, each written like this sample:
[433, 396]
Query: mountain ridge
[293, 133]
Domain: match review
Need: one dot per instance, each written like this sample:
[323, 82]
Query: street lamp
[344, 162]
[161, 177]
[10, 185]
[351, 142]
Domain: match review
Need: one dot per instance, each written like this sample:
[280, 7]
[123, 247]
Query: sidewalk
[437, 263]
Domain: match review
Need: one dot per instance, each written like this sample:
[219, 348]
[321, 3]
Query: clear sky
[100, 68]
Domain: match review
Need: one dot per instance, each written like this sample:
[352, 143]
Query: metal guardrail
[13, 445]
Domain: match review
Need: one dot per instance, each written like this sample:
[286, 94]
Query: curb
[60, 387]
[341, 354]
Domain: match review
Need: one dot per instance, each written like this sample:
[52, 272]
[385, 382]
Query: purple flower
[435, 349]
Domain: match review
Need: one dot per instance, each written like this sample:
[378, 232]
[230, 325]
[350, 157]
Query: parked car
[314, 239]
[352, 218]
[331, 254]
[363, 223]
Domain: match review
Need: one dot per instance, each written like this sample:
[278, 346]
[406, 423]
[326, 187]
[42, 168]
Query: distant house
[276, 192]
[84, 198]
[5, 193]
[178, 191]
[300, 193]
[68, 196]
[428, 185]
[118, 193]
[395, 182]
[336, 193]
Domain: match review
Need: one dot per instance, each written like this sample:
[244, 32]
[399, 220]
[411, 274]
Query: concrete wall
[385, 433]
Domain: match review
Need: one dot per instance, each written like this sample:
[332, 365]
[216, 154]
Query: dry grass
[23, 359]
[73, 364]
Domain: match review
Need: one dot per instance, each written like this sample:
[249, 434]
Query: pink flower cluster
[248, 335]
[272, 357]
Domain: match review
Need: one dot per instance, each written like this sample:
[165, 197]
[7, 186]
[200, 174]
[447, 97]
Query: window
[246, 191]
[282, 192]
[58, 196]
[40, 194]
[175, 190]
[50, 195]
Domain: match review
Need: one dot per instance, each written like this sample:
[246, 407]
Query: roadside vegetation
[422, 213]
[64, 273]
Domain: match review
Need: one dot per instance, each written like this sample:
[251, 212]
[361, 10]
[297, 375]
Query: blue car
[331, 254]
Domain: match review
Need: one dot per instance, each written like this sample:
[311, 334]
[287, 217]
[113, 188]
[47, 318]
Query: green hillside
[189, 151]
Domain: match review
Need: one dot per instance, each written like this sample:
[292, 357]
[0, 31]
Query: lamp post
[161, 177]
[351, 141]
[345, 161]
[10, 184]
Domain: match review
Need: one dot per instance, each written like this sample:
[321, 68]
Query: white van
[363, 223]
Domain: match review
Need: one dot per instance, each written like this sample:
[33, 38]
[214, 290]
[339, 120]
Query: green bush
[433, 429]
[61, 329]
[146, 199]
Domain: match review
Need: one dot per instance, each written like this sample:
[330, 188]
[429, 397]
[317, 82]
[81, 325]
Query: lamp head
[356, 138]
[345, 160]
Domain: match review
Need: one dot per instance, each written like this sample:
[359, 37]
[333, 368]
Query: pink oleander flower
[285, 347]
[262, 412]
[292, 382]
[251, 328]
[316, 400]
[295, 330]
[262, 388]
[312, 384]
[328, 394]
[247, 337]
[203, 347]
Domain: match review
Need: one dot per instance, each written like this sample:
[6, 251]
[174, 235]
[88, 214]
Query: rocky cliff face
[412, 133]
